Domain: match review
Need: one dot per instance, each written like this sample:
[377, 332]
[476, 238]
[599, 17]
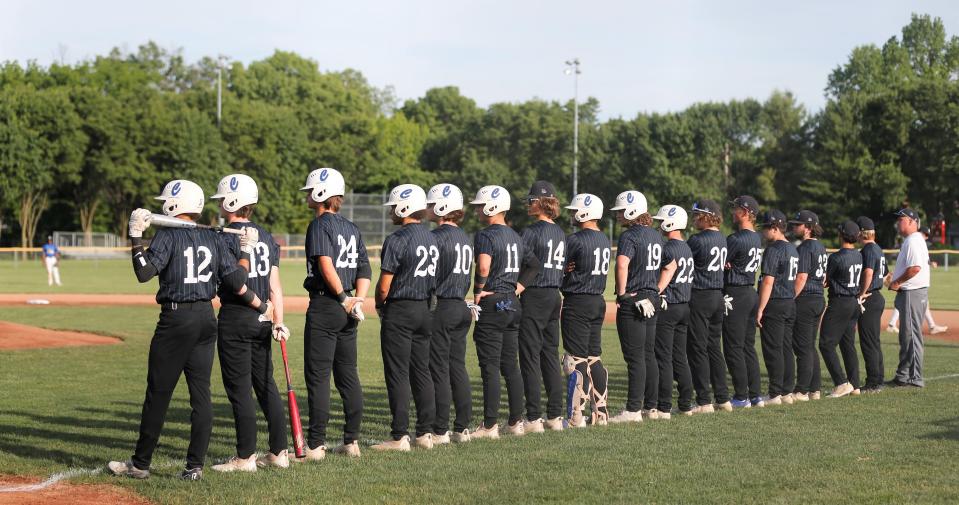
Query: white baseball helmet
[181, 197]
[632, 203]
[323, 183]
[494, 199]
[673, 217]
[236, 191]
[445, 199]
[588, 207]
[406, 199]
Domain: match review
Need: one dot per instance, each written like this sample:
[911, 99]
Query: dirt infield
[62, 492]
[20, 336]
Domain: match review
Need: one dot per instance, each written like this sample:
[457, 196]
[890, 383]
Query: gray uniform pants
[912, 308]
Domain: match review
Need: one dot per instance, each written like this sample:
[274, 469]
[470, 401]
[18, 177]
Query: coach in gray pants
[910, 280]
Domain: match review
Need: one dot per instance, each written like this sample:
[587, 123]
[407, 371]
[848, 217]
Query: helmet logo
[588, 200]
[324, 174]
[234, 183]
[495, 193]
[447, 190]
[175, 190]
[672, 211]
[406, 193]
[629, 198]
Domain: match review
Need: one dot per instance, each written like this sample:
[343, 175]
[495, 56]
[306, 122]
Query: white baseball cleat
[892, 329]
[517, 429]
[649, 413]
[627, 416]
[281, 460]
[461, 437]
[815, 395]
[351, 449]
[775, 400]
[126, 469]
[842, 390]
[555, 424]
[401, 445]
[664, 416]
[424, 441]
[535, 426]
[704, 409]
[801, 397]
[788, 399]
[441, 439]
[237, 464]
[725, 407]
[317, 454]
[483, 432]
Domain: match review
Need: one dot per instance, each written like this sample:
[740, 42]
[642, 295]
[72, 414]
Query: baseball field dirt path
[20, 336]
[62, 492]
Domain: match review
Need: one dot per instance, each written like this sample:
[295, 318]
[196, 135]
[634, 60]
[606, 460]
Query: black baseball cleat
[896, 383]
[192, 474]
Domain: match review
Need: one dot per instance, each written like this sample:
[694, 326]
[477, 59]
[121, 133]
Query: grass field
[79, 407]
[116, 276]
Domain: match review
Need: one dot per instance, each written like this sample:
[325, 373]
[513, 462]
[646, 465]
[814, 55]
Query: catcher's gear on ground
[728, 302]
[494, 199]
[673, 217]
[323, 183]
[181, 197]
[588, 207]
[406, 199]
[249, 239]
[281, 333]
[445, 199]
[236, 191]
[632, 203]
[583, 374]
[139, 221]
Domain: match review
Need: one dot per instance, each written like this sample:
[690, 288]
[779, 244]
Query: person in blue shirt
[51, 257]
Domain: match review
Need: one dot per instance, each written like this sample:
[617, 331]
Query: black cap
[542, 189]
[865, 224]
[773, 217]
[907, 212]
[925, 230]
[806, 217]
[707, 207]
[848, 229]
[748, 203]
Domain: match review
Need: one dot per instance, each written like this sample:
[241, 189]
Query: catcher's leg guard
[598, 390]
[576, 397]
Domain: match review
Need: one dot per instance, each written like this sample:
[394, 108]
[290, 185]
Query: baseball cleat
[126, 469]
[483, 432]
[935, 330]
[649, 413]
[775, 400]
[281, 460]
[555, 424]
[815, 395]
[317, 454]
[535, 426]
[872, 389]
[461, 437]
[788, 399]
[801, 397]
[351, 449]
[664, 416]
[191, 474]
[627, 416]
[892, 329]
[725, 406]
[401, 445]
[740, 404]
[237, 464]
[576, 422]
[841, 390]
[704, 409]
[517, 429]
[757, 401]
[855, 392]
[424, 441]
[441, 439]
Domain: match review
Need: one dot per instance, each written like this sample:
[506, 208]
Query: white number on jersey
[432, 255]
[821, 269]
[602, 261]
[718, 261]
[464, 259]
[512, 258]
[260, 261]
[882, 267]
[558, 256]
[793, 268]
[654, 256]
[684, 270]
[854, 272]
[346, 258]
[194, 276]
[755, 257]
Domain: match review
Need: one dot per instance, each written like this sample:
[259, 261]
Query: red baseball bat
[295, 426]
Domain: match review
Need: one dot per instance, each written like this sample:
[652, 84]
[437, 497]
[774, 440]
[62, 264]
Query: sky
[636, 56]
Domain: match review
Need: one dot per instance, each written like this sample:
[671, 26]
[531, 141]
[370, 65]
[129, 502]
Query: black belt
[327, 294]
[185, 305]
[388, 300]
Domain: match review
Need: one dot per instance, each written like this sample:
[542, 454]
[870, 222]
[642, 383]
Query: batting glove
[139, 221]
[281, 333]
[356, 312]
[862, 302]
[662, 302]
[474, 310]
[249, 239]
[268, 315]
[728, 301]
[646, 308]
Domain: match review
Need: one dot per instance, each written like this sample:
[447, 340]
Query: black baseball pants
[870, 323]
[777, 323]
[809, 309]
[451, 383]
[637, 338]
[405, 333]
[670, 348]
[496, 334]
[739, 342]
[538, 351]
[839, 327]
[704, 347]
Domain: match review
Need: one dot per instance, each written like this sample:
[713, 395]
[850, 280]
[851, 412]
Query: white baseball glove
[139, 221]
[249, 239]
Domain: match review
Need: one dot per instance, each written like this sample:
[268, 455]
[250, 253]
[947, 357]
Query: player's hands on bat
[281, 333]
[268, 315]
[139, 221]
[249, 239]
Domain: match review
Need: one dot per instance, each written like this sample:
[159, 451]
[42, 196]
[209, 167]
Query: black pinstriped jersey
[456, 259]
[744, 255]
[812, 261]
[873, 257]
[590, 251]
[548, 242]
[190, 263]
[680, 286]
[508, 253]
[781, 261]
[335, 237]
[411, 255]
[843, 272]
[644, 248]
[266, 255]
[709, 252]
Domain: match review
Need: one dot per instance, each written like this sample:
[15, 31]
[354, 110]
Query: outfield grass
[79, 407]
[116, 276]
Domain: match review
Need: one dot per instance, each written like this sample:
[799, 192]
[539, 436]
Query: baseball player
[638, 260]
[843, 273]
[739, 326]
[190, 263]
[407, 282]
[777, 300]
[243, 341]
[809, 308]
[707, 308]
[337, 278]
[872, 303]
[453, 315]
[504, 266]
[675, 288]
[539, 326]
[588, 254]
[51, 258]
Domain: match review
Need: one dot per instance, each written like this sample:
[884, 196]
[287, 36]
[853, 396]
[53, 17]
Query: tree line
[83, 144]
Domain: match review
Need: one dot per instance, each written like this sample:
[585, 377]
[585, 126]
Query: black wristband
[623, 298]
[262, 308]
[246, 256]
[341, 296]
[479, 284]
[248, 296]
[137, 242]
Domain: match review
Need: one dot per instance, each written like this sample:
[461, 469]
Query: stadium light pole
[572, 68]
[219, 90]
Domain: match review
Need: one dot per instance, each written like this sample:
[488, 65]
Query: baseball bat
[172, 222]
[298, 443]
